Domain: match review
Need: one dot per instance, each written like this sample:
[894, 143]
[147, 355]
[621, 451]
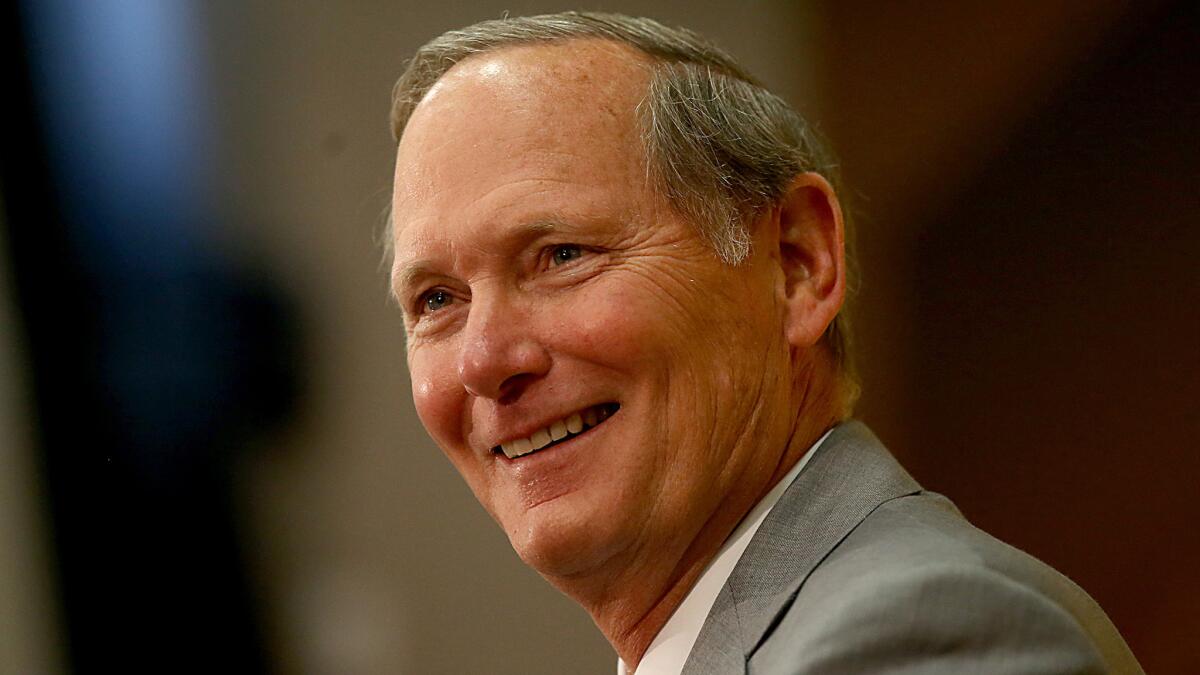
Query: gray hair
[719, 145]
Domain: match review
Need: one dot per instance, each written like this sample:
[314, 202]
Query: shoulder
[916, 588]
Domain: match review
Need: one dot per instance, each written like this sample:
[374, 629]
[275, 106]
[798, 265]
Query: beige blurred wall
[30, 634]
[370, 553]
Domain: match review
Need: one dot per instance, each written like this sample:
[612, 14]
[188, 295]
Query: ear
[811, 254]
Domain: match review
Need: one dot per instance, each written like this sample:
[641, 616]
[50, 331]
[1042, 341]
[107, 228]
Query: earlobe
[811, 254]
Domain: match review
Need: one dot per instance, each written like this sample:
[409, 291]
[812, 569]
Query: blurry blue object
[121, 88]
[153, 355]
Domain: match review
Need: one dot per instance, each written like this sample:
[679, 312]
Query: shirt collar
[668, 652]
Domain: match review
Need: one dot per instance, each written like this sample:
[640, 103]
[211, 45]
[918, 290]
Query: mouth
[563, 430]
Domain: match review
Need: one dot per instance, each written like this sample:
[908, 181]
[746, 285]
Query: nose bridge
[500, 352]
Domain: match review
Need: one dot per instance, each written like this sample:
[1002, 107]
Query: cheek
[623, 325]
[441, 404]
[437, 397]
[603, 331]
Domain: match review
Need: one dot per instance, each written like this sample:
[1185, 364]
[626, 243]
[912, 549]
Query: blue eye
[565, 253]
[435, 300]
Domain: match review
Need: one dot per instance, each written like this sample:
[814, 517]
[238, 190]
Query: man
[621, 266]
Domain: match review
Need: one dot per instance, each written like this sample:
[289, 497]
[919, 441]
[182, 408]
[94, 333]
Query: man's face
[549, 292]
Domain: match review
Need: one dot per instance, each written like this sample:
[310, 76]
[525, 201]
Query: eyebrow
[405, 275]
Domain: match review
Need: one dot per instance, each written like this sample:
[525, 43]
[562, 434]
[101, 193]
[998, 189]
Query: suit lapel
[851, 474]
[721, 638]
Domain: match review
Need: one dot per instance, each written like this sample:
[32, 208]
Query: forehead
[573, 83]
[504, 131]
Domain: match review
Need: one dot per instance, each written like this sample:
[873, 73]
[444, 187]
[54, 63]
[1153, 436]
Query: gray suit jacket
[858, 570]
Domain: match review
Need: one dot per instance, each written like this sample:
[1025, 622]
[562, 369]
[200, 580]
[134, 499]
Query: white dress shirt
[670, 648]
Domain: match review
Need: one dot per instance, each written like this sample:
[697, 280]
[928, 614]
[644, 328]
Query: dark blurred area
[152, 356]
[211, 460]
[1059, 358]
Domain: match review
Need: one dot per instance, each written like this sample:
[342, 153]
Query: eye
[565, 253]
[435, 300]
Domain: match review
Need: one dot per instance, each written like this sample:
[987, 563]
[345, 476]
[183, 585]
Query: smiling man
[621, 265]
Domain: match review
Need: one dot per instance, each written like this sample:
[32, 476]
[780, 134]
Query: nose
[500, 354]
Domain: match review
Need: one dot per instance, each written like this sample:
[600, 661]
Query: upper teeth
[555, 432]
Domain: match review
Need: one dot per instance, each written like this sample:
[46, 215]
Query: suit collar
[851, 474]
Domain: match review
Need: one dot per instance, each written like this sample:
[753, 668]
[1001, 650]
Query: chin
[560, 541]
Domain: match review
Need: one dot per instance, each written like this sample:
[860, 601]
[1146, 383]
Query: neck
[632, 605]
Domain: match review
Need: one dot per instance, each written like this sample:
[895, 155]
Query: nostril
[513, 387]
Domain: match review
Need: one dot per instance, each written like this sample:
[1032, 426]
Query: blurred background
[210, 458]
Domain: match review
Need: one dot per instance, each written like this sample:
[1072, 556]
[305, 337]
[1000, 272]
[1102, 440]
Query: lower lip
[554, 471]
